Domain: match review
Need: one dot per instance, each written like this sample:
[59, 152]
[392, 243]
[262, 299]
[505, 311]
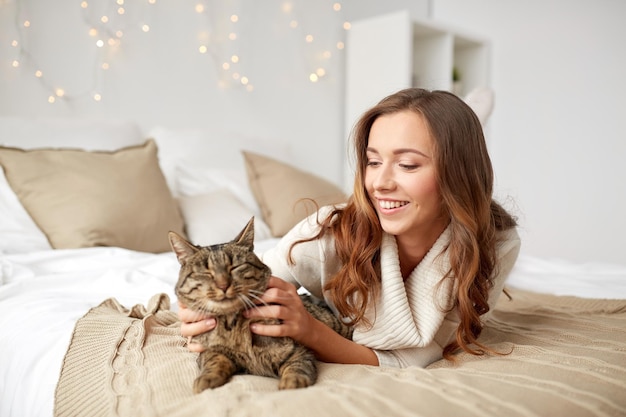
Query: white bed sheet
[42, 296]
[44, 293]
[561, 277]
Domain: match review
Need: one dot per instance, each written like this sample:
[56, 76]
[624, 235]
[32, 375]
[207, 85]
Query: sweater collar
[408, 314]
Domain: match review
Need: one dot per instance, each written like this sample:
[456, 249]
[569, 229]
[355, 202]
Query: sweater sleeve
[403, 358]
[314, 261]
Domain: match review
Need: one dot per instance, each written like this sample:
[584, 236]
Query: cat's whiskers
[207, 305]
[256, 297]
[246, 301]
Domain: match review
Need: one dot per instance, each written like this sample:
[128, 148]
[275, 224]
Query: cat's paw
[215, 370]
[294, 381]
[206, 381]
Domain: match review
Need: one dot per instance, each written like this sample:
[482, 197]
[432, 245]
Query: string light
[107, 23]
[223, 46]
[310, 41]
[109, 20]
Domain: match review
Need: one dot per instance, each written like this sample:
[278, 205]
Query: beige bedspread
[568, 358]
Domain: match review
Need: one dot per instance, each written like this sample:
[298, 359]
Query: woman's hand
[284, 303]
[192, 324]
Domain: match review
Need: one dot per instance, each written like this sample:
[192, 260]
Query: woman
[417, 256]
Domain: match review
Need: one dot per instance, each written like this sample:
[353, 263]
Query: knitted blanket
[566, 357]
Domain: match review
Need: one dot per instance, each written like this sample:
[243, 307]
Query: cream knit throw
[568, 359]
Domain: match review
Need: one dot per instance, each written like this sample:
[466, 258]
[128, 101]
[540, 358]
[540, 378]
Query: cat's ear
[246, 236]
[181, 247]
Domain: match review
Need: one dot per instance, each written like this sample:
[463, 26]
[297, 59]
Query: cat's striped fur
[223, 280]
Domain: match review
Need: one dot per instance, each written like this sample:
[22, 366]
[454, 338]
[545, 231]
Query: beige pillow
[83, 199]
[282, 190]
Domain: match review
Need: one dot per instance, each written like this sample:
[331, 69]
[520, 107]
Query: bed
[89, 328]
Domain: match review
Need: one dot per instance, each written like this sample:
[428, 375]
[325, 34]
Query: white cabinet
[394, 51]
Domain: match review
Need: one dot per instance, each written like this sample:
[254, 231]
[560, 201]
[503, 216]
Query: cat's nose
[222, 284]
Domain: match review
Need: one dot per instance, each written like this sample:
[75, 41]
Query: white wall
[160, 78]
[556, 135]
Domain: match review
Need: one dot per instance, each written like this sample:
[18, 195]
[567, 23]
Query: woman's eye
[409, 167]
[371, 163]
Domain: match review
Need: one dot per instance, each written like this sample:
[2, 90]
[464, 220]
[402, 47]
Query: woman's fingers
[274, 330]
[195, 328]
[279, 283]
[193, 323]
[187, 315]
[276, 311]
[195, 347]
[282, 302]
[279, 292]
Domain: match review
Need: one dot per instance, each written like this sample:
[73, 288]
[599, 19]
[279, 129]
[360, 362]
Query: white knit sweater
[409, 326]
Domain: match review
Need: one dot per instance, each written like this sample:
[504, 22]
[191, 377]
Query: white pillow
[211, 148]
[18, 231]
[194, 180]
[481, 100]
[218, 217]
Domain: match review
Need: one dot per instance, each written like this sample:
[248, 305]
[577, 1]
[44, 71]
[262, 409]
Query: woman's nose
[384, 179]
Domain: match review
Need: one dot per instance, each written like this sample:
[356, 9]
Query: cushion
[481, 100]
[195, 180]
[284, 192]
[19, 232]
[217, 217]
[95, 198]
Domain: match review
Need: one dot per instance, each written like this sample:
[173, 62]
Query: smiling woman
[401, 179]
[416, 258]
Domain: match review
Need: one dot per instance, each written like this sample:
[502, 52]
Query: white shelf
[438, 51]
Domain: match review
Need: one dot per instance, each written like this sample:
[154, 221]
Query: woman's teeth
[386, 204]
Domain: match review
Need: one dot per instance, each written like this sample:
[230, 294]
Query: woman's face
[400, 177]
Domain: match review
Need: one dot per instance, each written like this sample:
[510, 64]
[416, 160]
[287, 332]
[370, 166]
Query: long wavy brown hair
[465, 178]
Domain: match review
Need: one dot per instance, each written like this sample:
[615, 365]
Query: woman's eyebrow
[400, 151]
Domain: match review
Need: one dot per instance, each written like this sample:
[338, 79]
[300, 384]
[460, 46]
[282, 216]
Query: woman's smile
[390, 205]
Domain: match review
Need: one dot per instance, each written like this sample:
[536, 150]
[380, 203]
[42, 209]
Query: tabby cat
[223, 280]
